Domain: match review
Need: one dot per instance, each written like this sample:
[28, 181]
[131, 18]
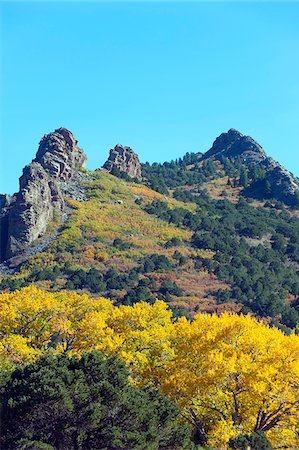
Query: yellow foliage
[93, 221]
[231, 373]
[237, 373]
[146, 330]
[149, 195]
[73, 323]
[203, 254]
[16, 349]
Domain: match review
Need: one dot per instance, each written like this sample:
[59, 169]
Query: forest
[161, 317]
[79, 372]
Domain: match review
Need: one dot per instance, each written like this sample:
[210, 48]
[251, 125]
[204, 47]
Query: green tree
[243, 177]
[69, 403]
[254, 441]
[268, 189]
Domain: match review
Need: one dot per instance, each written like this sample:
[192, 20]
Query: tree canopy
[88, 403]
[230, 375]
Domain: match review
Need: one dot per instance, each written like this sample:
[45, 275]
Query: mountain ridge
[166, 236]
[47, 180]
[234, 144]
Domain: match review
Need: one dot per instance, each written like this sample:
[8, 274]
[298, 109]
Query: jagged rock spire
[58, 158]
[60, 155]
[125, 160]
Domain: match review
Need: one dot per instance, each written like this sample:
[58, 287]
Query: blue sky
[163, 78]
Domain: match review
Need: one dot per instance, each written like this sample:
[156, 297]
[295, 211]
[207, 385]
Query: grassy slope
[112, 213]
[115, 210]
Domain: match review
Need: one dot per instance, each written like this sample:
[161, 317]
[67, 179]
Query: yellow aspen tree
[232, 375]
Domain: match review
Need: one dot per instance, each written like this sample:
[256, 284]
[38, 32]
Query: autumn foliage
[230, 375]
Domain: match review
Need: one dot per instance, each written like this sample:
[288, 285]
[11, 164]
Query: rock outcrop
[59, 154]
[234, 144]
[25, 218]
[125, 160]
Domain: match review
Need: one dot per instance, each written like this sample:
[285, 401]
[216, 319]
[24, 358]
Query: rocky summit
[54, 175]
[59, 154]
[125, 160]
[25, 217]
[234, 144]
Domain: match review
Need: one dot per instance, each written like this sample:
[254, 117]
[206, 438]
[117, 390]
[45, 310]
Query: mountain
[209, 232]
[84, 257]
[234, 146]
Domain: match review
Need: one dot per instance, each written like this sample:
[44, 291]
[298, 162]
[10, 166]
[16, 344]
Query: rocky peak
[225, 140]
[59, 154]
[125, 160]
[5, 200]
[41, 191]
[233, 144]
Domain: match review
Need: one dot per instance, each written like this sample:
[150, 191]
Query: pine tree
[268, 189]
[243, 177]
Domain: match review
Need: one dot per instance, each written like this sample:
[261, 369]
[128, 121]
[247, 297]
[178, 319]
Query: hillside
[202, 233]
[108, 282]
[234, 161]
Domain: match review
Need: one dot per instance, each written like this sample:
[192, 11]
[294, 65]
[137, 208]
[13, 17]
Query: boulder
[125, 160]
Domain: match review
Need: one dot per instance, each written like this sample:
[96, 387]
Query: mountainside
[209, 232]
[275, 181]
[90, 357]
[240, 159]
[25, 217]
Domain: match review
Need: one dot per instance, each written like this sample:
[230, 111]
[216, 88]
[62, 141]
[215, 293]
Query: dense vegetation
[184, 171]
[191, 171]
[87, 403]
[257, 251]
[80, 372]
[233, 378]
[131, 243]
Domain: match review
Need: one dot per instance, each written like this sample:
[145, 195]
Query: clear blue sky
[163, 78]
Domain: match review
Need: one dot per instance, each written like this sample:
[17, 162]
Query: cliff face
[125, 160]
[26, 217]
[234, 144]
[59, 154]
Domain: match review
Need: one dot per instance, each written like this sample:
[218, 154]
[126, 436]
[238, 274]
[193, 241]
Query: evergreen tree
[254, 441]
[268, 189]
[243, 177]
[76, 404]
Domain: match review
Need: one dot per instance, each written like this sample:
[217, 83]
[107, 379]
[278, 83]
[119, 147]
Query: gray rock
[41, 194]
[73, 188]
[125, 160]
[32, 210]
[59, 154]
[233, 144]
